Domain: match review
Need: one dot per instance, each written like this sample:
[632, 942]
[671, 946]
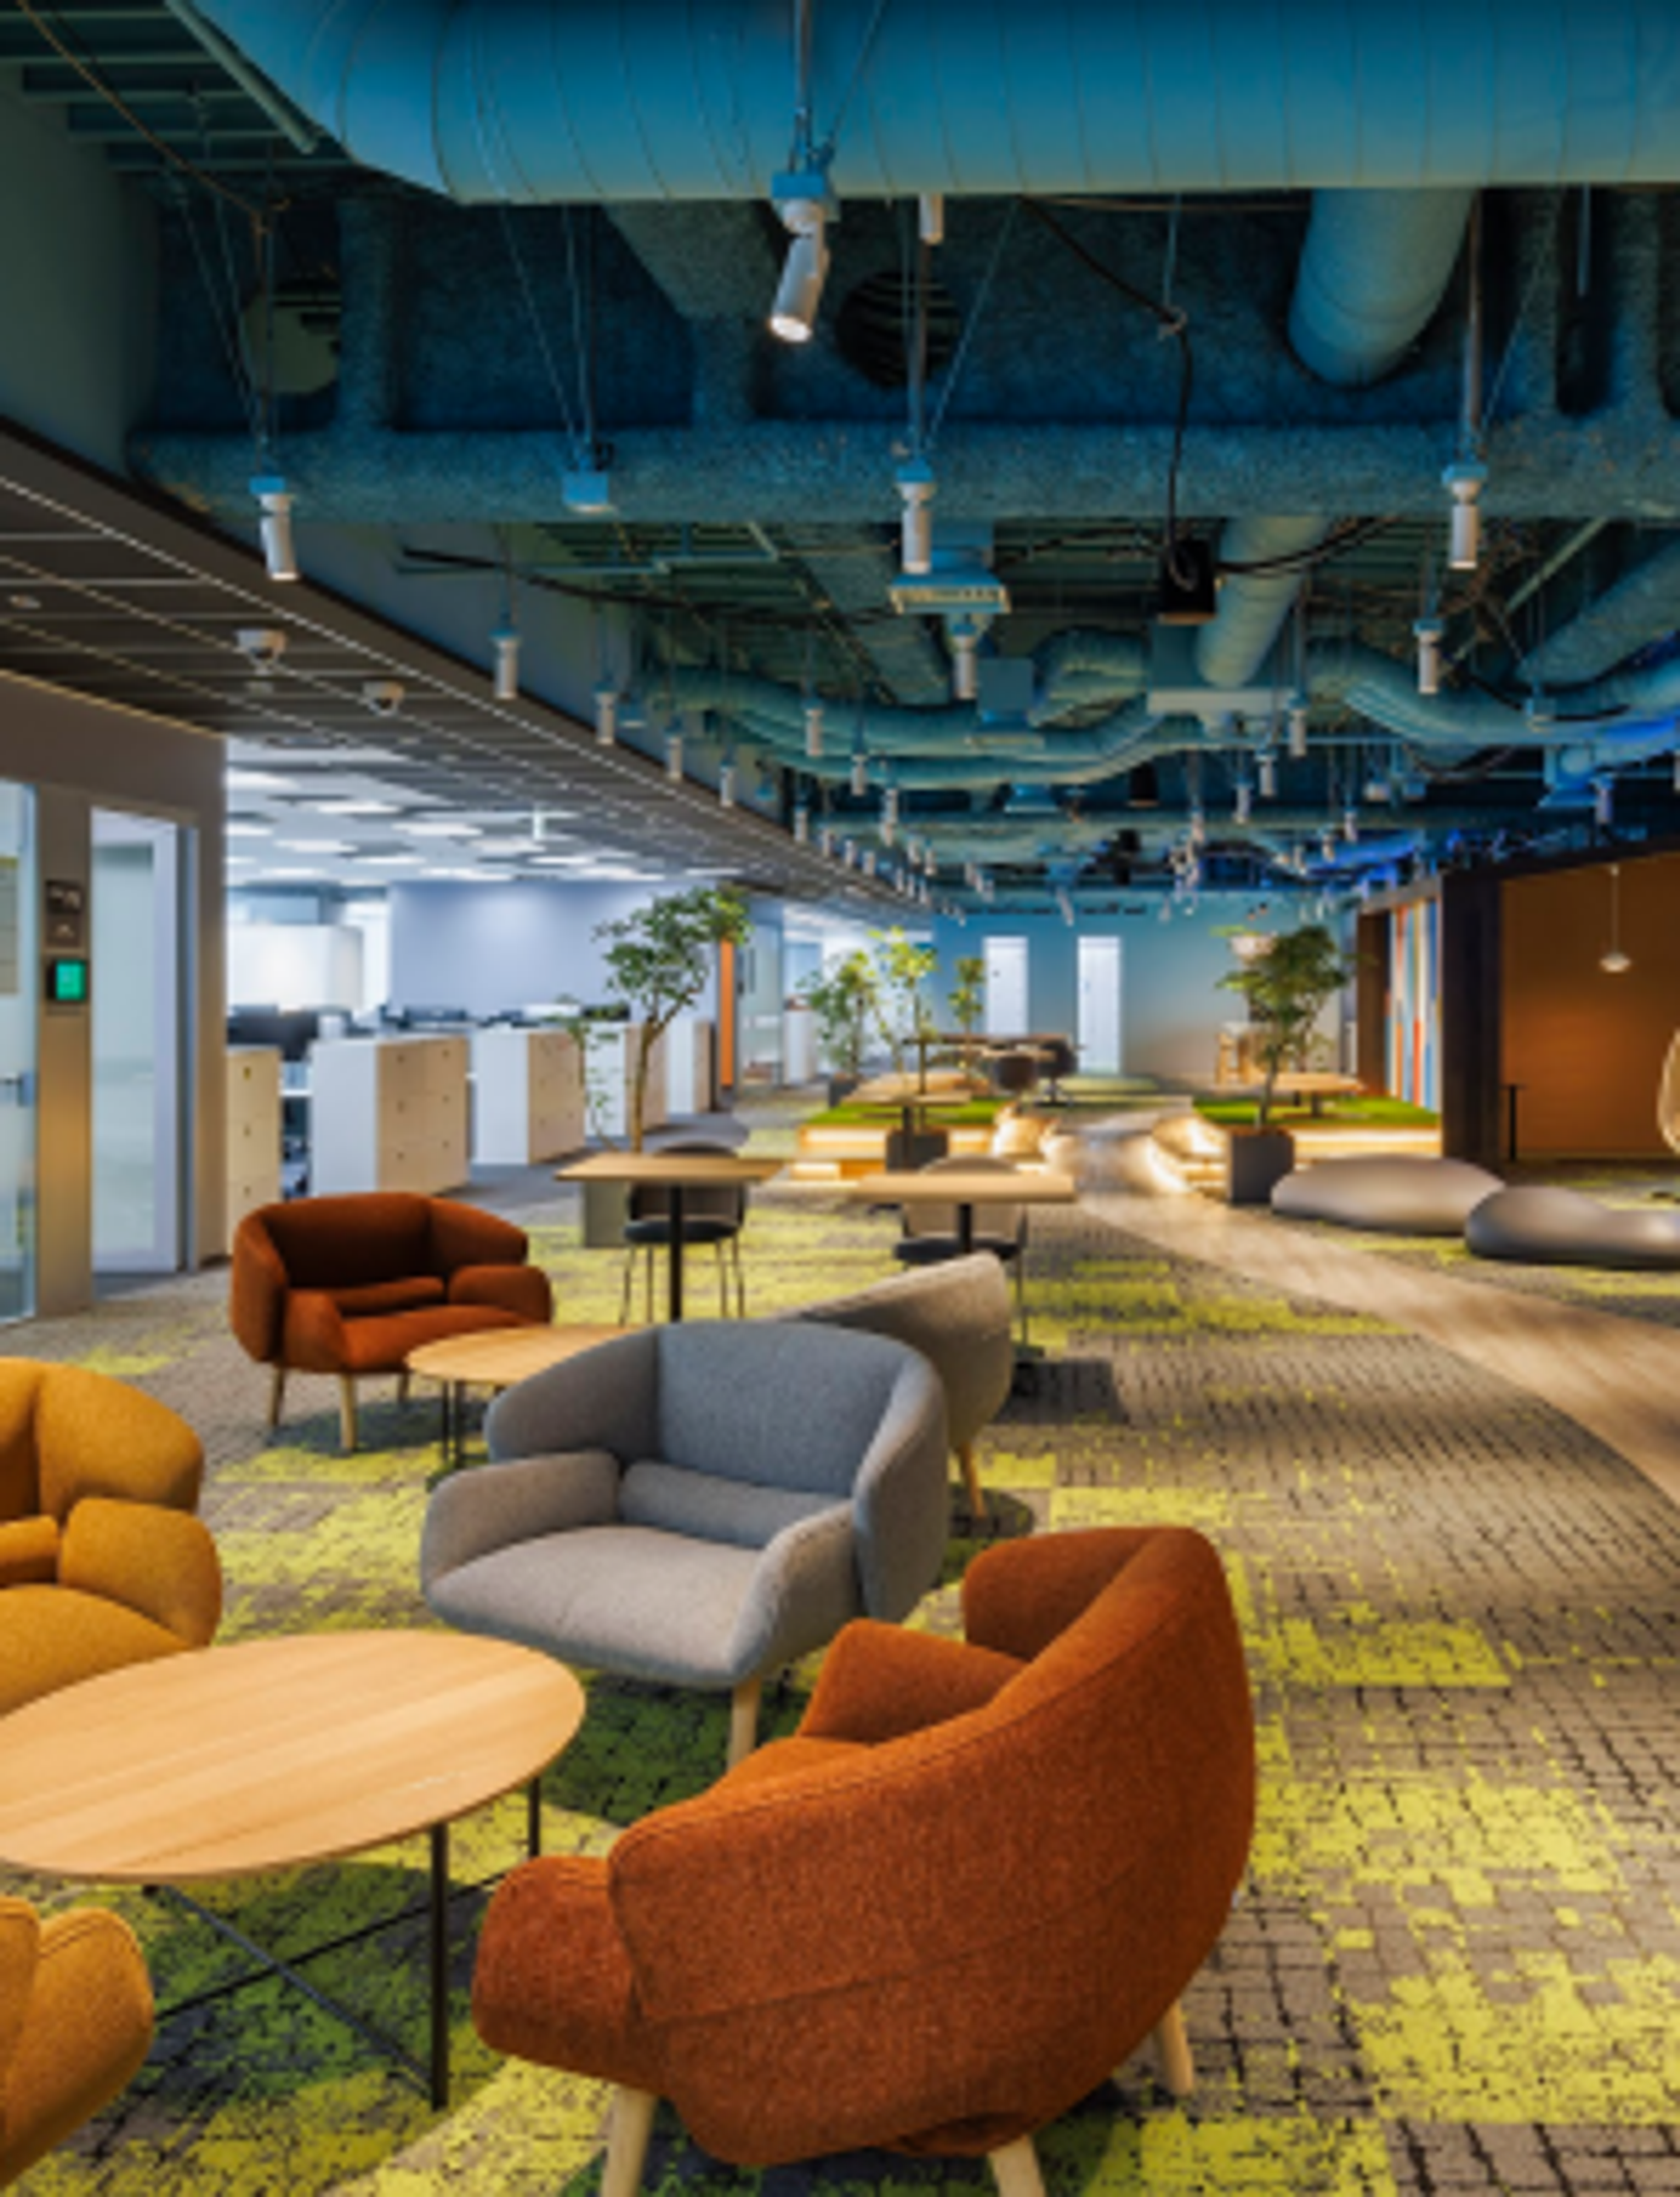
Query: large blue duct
[1375, 266]
[575, 100]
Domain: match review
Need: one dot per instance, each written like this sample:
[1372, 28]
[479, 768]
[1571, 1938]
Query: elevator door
[138, 1125]
[17, 1062]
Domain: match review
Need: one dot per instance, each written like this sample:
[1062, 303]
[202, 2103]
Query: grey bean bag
[1553, 1227]
[1393, 1192]
[699, 1505]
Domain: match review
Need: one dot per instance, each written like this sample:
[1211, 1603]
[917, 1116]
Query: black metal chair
[711, 1214]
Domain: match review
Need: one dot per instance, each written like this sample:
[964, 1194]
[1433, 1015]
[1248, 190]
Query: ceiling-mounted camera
[263, 643]
[384, 697]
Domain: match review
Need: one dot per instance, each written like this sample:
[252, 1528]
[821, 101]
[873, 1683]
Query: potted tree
[967, 1002]
[657, 961]
[906, 1022]
[842, 999]
[1287, 981]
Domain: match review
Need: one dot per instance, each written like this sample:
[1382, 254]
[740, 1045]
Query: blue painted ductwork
[1375, 267]
[608, 100]
[1643, 602]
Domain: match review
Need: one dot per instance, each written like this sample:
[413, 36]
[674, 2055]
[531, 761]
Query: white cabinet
[388, 1113]
[688, 1067]
[253, 1130]
[527, 1096]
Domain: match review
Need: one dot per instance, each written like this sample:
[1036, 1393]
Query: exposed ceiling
[553, 257]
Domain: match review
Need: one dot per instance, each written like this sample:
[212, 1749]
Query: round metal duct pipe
[575, 100]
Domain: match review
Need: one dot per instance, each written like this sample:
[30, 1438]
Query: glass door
[18, 1008]
[137, 1083]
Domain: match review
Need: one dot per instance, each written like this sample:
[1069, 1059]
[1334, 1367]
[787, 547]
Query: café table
[674, 1173]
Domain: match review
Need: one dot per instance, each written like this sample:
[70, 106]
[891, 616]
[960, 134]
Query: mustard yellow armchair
[75, 2025]
[102, 1561]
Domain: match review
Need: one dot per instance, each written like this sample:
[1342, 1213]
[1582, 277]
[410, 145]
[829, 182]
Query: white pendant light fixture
[813, 728]
[1266, 767]
[505, 640]
[1612, 961]
[725, 781]
[1428, 633]
[674, 756]
[1297, 719]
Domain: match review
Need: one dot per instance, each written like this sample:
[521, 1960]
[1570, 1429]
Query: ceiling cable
[539, 329]
[954, 372]
[90, 75]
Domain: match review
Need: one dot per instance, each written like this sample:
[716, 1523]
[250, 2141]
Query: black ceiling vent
[872, 328]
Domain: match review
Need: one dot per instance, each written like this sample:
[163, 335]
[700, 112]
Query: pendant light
[1612, 961]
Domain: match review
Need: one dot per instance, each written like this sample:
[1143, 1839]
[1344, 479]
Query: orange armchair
[101, 1560]
[351, 1285]
[813, 1956]
[75, 2025]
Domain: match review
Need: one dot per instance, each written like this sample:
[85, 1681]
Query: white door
[1099, 1006]
[1006, 988]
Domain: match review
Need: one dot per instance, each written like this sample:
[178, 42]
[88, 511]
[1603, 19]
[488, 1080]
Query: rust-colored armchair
[351, 1285]
[979, 1876]
[102, 1562]
[75, 2025]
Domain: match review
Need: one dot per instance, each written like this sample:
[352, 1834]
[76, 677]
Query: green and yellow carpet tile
[1455, 1966]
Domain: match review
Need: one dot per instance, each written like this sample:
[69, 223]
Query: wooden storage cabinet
[388, 1113]
[527, 1096]
[253, 1117]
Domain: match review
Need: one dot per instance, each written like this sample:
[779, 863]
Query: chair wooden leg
[743, 1719]
[626, 2135]
[971, 1464]
[276, 1394]
[402, 1386]
[1171, 2046]
[1015, 2169]
[740, 1279]
[722, 1253]
[347, 1412]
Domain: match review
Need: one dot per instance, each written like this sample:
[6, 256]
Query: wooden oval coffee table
[224, 1762]
[494, 1357]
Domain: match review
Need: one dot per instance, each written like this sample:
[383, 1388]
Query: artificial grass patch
[1375, 1112]
[972, 1114]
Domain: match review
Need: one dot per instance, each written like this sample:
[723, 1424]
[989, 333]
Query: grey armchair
[699, 1505]
[957, 1315]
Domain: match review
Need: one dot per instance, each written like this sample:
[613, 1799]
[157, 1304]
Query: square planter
[914, 1148]
[1259, 1159]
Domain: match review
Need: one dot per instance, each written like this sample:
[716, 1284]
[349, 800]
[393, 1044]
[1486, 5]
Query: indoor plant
[657, 961]
[1287, 981]
[841, 997]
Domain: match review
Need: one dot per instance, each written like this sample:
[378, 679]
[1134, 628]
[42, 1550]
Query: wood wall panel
[1588, 1048]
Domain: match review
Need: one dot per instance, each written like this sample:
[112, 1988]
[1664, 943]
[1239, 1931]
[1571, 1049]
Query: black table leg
[673, 1306]
[966, 1229]
[439, 1934]
[534, 1817]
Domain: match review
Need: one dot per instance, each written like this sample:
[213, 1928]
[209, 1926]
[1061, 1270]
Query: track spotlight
[813, 725]
[1266, 765]
[1297, 718]
[674, 757]
[963, 634]
[506, 642]
[930, 217]
[275, 501]
[1429, 633]
[606, 715]
[802, 204]
[586, 491]
[916, 486]
[1463, 481]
